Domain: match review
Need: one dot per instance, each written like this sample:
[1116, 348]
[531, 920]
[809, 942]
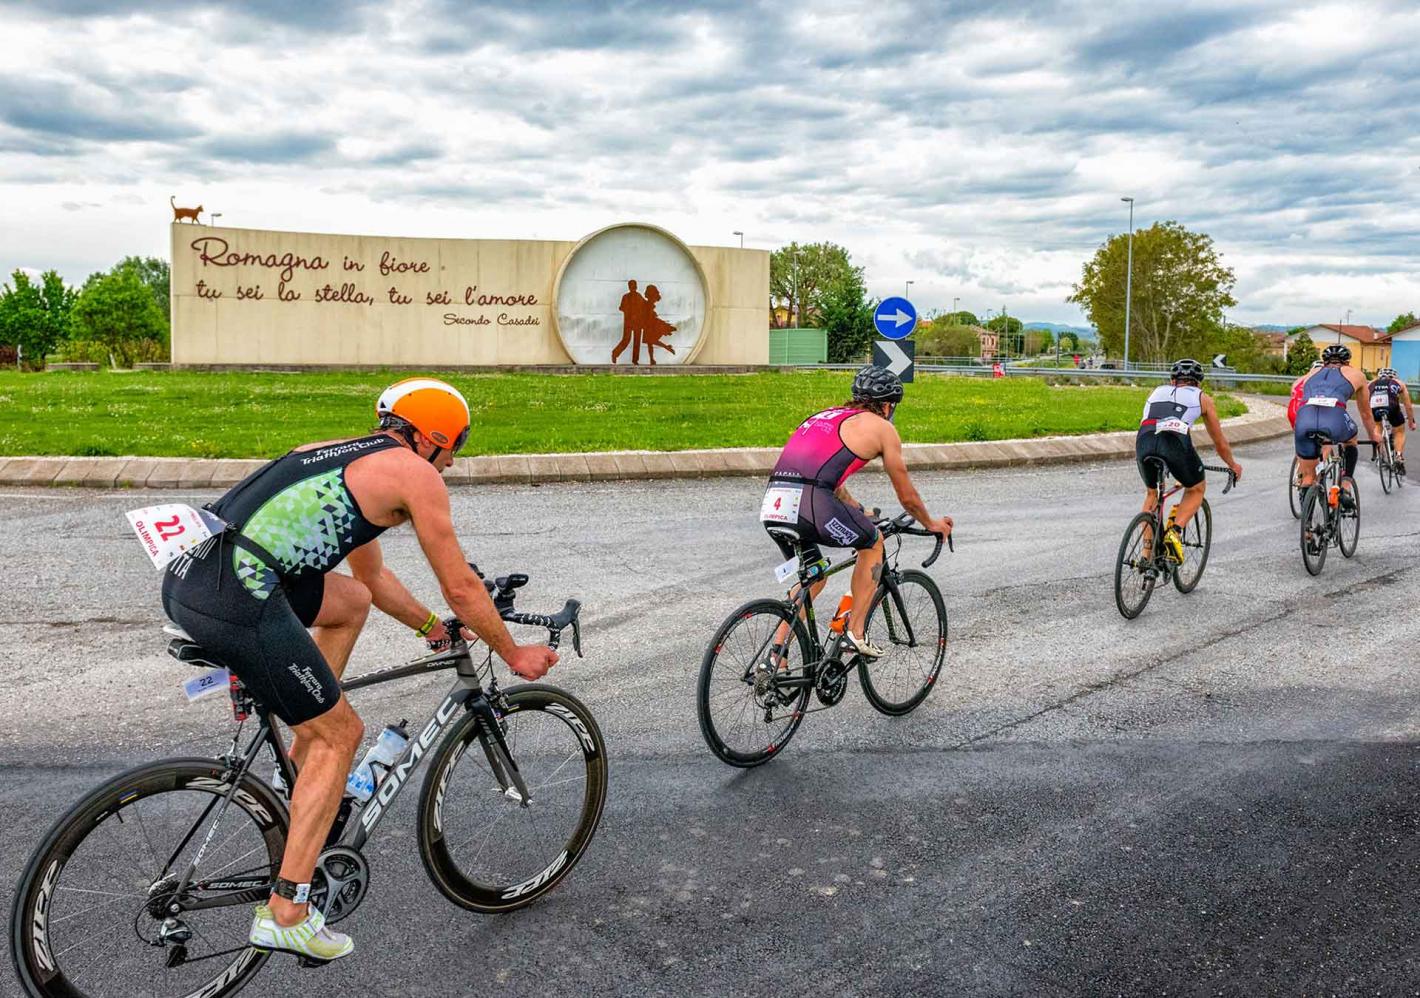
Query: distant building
[1370, 347]
[1405, 352]
[1272, 344]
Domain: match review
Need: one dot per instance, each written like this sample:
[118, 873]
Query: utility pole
[1128, 282]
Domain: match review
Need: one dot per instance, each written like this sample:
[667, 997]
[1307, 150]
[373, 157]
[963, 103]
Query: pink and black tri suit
[813, 464]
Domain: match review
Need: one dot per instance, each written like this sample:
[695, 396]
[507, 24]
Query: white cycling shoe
[861, 646]
[310, 939]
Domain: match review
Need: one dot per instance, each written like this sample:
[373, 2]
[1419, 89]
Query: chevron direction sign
[895, 355]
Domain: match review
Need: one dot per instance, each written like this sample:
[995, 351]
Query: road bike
[770, 655]
[1383, 454]
[1331, 509]
[146, 885]
[1142, 562]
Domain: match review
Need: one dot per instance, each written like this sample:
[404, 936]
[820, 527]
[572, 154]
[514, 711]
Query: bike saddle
[788, 533]
[183, 648]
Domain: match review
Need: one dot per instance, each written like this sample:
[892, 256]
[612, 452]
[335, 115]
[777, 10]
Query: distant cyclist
[1325, 395]
[1169, 414]
[1295, 402]
[806, 489]
[1387, 394]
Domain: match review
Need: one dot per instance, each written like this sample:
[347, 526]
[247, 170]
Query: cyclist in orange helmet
[264, 599]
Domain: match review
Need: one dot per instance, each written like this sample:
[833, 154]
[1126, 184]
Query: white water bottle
[383, 753]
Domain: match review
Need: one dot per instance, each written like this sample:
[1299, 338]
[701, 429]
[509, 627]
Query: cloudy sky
[977, 148]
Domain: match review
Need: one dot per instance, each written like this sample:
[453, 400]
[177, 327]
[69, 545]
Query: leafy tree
[846, 315]
[1403, 321]
[1180, 286]
[804, 275]
[1301, 354]
[117, 311]
[941, 339]
[1039, 341]
[1074, 339]
[35, 317]
[155, 275]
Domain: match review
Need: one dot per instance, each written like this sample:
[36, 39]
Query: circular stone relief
[631, 294]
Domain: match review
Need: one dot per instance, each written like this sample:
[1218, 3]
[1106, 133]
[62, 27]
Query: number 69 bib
[169, 530]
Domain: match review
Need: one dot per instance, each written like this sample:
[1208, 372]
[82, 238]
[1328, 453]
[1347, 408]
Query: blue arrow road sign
[895, 318]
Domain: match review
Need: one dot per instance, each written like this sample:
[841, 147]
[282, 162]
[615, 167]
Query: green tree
[1403, 321]
[35, 317]
[1074, 346]
[117, 311]
[1180, 286]
[941, 339]
[803, 275]
[846, 315]
[1300, 355]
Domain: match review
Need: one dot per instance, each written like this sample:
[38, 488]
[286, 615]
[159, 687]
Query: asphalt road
[1217, 798]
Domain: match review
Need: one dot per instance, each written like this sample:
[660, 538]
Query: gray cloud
[273, 148]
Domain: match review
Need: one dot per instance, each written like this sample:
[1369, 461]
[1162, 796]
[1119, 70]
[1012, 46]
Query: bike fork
[500, 760]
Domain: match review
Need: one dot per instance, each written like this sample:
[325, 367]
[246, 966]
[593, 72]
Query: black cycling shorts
[1333, 420]
[263, 641]
[1177, 452]
[825, 519]
[1392, 413]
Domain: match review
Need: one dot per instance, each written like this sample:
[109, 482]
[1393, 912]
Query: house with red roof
[1370, 347]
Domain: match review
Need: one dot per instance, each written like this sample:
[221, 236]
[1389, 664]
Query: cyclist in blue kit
[1323, 409]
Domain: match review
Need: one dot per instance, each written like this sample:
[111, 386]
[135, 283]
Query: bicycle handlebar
[902, 524]
[1232, 478]
[504, 592]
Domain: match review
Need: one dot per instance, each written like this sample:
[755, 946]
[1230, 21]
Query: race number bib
[1380, 400]
[1324, 401]
[208, 683]
[171, 529]
[1171, 426]
[781, 504]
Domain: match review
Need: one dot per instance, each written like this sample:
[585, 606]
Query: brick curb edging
[1264, 420]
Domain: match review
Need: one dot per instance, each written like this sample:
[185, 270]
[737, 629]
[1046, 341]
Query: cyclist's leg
[1397, 433]
[1306, 449]
[1187, 468]
[866, 573]
[846, 526]
[334, 607]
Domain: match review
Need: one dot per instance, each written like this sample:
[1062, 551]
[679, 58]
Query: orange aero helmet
[434, 408]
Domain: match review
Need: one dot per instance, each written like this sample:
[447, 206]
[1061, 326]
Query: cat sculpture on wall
[188, 213]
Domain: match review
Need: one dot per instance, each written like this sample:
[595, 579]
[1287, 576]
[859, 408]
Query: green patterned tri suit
[249, 594]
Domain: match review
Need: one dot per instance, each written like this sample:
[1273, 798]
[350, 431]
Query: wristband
[428, 625]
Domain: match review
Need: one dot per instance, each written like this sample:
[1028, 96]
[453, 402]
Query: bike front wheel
[1348, 521]
[754, 683]
[1197, 542]
[107, 905]
[1386, 468]
[911, 625]
[1135, 569]
[484, 846]
[1315, 534]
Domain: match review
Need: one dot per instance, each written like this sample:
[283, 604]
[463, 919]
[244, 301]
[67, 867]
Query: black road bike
[146, 885]
[1383, 454]
[1331, 509]
[1143, 557]
[770, 655]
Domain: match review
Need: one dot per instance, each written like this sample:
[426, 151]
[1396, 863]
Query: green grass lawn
[261, 414]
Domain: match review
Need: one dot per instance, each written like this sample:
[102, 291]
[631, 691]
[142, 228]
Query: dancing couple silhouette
[641, 325]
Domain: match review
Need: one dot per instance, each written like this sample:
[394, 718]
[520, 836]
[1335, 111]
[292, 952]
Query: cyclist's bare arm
[387, 593]
[1409, 409]
[1216, 434]
[907, 493]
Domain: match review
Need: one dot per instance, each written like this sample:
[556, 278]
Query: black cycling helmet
[1187, 369]
[877, 384]
[1336, 354]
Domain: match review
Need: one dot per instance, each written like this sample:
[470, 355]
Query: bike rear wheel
[914, 634]
[484, 847]
[1385, 465]
[1135, 570]
[1348, 521]
[92, 914]
[1314, 532]
[746, 713]
[1197, 542]
[1294, 490]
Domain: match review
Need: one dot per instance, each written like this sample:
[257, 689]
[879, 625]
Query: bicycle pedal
[310, 962]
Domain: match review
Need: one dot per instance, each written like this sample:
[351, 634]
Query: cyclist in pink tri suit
[807, 493]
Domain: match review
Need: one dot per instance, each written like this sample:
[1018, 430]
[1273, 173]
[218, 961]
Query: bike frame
[467, 692]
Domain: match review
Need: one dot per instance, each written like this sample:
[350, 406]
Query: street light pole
[737, 232]
[907, 289]
[956, 319]
[1128, 281]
